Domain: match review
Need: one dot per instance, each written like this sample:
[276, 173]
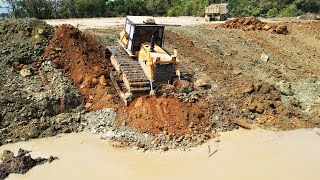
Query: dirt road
[101, 23]
[107, 22]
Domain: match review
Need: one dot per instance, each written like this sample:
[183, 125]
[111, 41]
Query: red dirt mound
[167, 115]
[251, 24]
[83, 61]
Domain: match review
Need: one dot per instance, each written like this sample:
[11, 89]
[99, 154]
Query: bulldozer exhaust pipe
[153, 39]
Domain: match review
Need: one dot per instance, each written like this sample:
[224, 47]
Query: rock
[94, 81]
[237, 72]
[37, 36]
[183, 86]
[202, 83]
[243, 123]
[165, 148]
[41, 31]
[252, 107]
[248, 89]
[110, 134]
[285, 88]
[88, 105]
[266, 27]
[141, 145]
[58, 49]
[180, 139]
[260, 108]
[187, 136]
[264, 57]
[252, 117]
[102, 80]
[295, 103]
[281, 29]
[7, 141]
[250, 27]
[25, 72]
[51, 159]
[67, 130]
[17, 65]
[6, 52]
[7, 155]
[34, 133]
[266, 88]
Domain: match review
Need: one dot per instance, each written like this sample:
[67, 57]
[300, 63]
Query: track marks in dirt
[297, 52]
[244, 56]
[205, 65]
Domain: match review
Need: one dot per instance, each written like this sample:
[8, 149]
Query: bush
[273, 12]
[290, 11]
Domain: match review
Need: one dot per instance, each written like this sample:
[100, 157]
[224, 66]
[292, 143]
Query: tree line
[46, 9]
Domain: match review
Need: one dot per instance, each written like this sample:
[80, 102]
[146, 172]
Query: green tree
[272, 12]
[67, 9]
[40, 9]
[195, 7]
[92, 8]
[157, 7]
[290, 11]
[308, 5]
[176, 8]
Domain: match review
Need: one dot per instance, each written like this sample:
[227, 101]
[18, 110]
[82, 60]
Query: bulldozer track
[134, 79]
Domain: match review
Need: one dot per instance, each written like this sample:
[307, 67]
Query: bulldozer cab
[139, 29]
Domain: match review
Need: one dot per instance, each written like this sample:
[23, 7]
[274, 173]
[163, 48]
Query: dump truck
[216, 12]
[140, 61]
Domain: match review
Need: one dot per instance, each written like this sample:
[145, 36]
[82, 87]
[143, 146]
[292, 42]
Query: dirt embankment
[36, 100]
[84, 62]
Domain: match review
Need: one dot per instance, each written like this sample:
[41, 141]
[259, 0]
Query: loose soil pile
[80, 57]
[309, 16]
[251, 24]
[167, 116]
[36, 100]
[19, 164]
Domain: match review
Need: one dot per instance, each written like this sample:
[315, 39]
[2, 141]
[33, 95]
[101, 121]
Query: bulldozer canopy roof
[139, 19]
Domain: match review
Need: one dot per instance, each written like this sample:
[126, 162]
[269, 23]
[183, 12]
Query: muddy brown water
[256, 154]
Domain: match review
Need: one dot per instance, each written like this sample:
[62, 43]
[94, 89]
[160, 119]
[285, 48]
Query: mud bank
[256, 154]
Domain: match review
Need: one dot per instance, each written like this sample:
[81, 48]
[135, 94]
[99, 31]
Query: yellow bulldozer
[140, 61]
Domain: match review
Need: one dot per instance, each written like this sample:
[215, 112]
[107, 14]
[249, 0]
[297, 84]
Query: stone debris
[264, 57]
